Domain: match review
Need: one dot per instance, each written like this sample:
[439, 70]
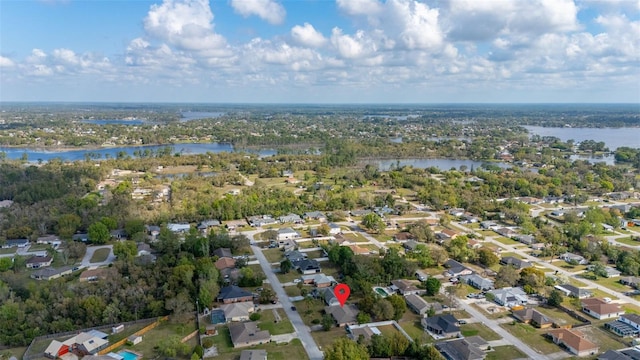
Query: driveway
[303, 331]
[86, 261]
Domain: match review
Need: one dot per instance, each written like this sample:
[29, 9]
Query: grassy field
[267, 322]
[315, 254]
[160, 333]
[505, 240]
[605, 339]
[292, 291]
[310, 310]
[326, 338]
[628, 241]
[100, 255]
[532, 337]
[479, 329]
[505, 353]
[558, 316]
[17, 352]
[39, 247]
[288, 277]
[8, 251]
[273, 255]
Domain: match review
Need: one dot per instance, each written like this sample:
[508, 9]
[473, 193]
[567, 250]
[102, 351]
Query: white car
[607, 300]
[295, 281]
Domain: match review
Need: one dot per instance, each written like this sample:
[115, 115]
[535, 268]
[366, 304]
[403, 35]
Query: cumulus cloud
[6, 62]
[352, 46]
[360, 7]
[187, 25]
[307, 35]
[268, 10]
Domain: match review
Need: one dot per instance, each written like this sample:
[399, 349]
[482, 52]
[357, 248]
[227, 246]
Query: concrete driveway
[86, 261]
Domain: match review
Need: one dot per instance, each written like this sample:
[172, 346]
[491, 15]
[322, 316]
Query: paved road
[86, 261]
[303, 331]
[510, 339]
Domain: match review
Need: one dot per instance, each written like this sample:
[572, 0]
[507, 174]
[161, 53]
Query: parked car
[293, 308]
[295, 281]
[462, 322]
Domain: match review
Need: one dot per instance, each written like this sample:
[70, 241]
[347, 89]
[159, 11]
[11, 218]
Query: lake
[114, 122]
[112, 152]
[196, 115]
[612, 137]
[607, 159]
[442, 164]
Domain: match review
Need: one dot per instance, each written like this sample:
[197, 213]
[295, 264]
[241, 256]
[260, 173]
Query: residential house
[222, 252]
[450, 233]
[421, 275]
[238, 311]
[417, 304]
[308, 266]
[359, 250]
[261, 220]
[291, 218]
[225, 263]
[525, 239]
[470, 218]
[84, 343]
[19, 243]
[364, 330]
[256, 354]
[288, 233]
[515, 262]
[410, 245]
[37, 262]
[509, 296]
[573, 291]
[477, 282]
[488, 225]
[315, 215]
[601, 309]
[441, 237]
[441, 325]
[49, 240]
[474, 244]
[319, 280]
[334, 229]
[248, 334]
[205, 226]
[574, 341]
[405, 287]
[632, 281]
[143, 249]
[627, 354]
[50, 273]
[118, 234]
[233, 225]
[295, 256]
[343, 315]
[460, 349]
[533, 317]
[569, 257]
[457, 212]
[611, 272]
[231, 294]
[455, 268]
[403, 236]
[626, 325]
[153, 231]
[329, 297]
[93, 275]
[179, 227]
[506, 232]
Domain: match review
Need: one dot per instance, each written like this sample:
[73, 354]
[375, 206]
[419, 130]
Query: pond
[612, 137]
[442, 164]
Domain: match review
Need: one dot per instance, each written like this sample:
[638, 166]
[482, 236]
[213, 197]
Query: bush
[207, 343]
[254, 317]
[315, 321]
[198, 350]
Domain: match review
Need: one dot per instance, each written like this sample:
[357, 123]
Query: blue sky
[320, 51]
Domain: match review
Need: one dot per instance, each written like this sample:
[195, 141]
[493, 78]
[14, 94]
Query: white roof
[53, 348]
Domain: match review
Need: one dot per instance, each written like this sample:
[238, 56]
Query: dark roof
[12, 242]
[233, 292]
[308, 264]
[447, 323]
[635, 318]
[519, 263]
[39, 260]
[631, 353]
[615, 355]
[460, 349]
[222, 252]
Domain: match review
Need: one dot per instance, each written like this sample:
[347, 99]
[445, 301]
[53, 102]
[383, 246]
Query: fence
[28, 356]
[140, 332]
[190, 336]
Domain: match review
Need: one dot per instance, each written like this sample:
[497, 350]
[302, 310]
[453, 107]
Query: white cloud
[360, 7]
[307, 35]
[268, 10]
[6, 62]
[416, 24]
[187, 25]
[352, 47]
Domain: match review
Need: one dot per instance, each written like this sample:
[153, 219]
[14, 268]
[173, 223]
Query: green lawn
[532, 336]
[292, 291]
[273, 255]
[558, 316]
[506, 352]
[480, 330]
[17, 352]
[310, 309]
[8, 251]
[315, 254]
[267, 322]
[39, 247]
[326, 338]
[628, 241]
[505, 240]
[152, 338]
[100, 255]
[288, 277]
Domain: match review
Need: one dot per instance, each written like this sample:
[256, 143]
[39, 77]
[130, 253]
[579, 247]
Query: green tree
[433, 286]
[134, 226]
[67, 225]
[399, 306]
[507, 276]
[327, 322]
[346, 349]
[125, 250]
[98, 233]
[172, 346]
[373, 222]
[285, 266]
[555, 298]
[5, 264]
[487, 257]
[109, 222]
[383, 310]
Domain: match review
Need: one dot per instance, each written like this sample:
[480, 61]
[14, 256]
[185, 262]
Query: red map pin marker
[342, 291]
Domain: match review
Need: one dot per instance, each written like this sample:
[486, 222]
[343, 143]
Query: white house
[178, 227]
[334, 229]
[287, 233]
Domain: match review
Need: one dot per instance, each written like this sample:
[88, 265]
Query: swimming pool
[381, 291]
[128, 355]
